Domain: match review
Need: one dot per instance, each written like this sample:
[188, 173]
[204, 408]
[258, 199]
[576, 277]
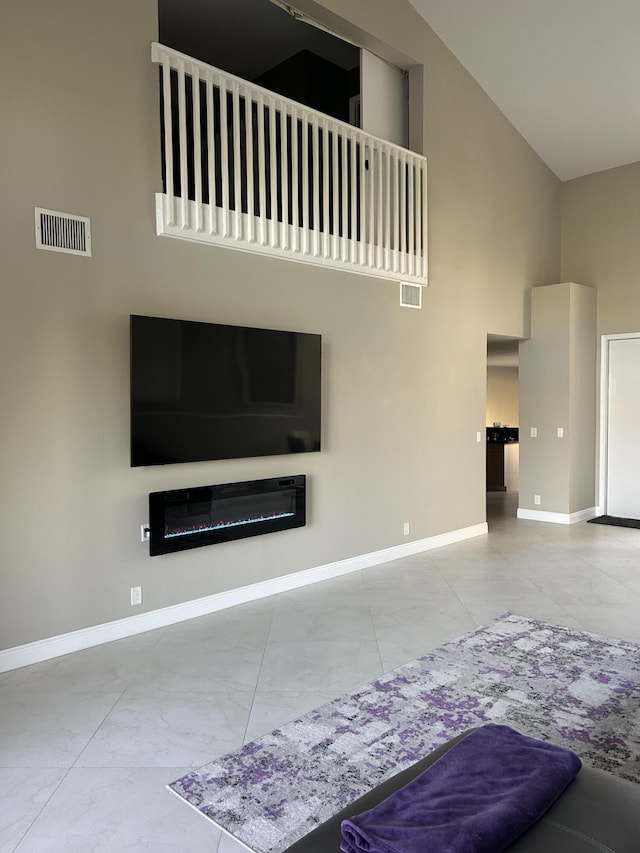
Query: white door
[623, 428]
[384, 99]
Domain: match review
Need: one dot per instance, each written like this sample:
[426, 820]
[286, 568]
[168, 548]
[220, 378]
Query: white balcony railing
[246, 168]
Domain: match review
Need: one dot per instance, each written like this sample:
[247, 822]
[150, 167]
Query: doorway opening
[619, 424]
[502, 426]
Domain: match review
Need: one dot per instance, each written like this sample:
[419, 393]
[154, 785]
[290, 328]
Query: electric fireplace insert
[205, 515]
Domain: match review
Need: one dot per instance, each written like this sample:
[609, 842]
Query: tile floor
[89, 741]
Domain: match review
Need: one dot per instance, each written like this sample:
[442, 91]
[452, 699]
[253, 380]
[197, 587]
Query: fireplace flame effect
[221, 525]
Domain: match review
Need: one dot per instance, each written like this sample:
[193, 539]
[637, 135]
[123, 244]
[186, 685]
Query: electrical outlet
[406, 528]
[136, 595]
[536, 499]
[534, 432]
[145, 531]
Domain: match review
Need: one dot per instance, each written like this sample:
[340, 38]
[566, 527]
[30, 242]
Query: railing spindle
[273, 173]
[237, 164]
[305, 184]
[387, 211]
[411, 223]
[224, 157]
[197, 150]
[262, 188]
[395, 212]
[326, 199]
[295, 184]
[344, 190]
[362, 205]
[424, 269]
[379, 210]
[403, 215]
[371, 209]
[316, 187]
[335, 191]
[211, 158]
[182, 136]
[168, 141]
[353, 189]
[282, 176]
[248, 143]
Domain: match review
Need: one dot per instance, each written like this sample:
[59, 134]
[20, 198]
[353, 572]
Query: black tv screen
[202, 391]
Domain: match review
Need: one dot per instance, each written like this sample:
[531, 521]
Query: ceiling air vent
[410, 295]
[63, 232]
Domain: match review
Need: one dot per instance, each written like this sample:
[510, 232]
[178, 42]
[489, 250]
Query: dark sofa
[597, 812]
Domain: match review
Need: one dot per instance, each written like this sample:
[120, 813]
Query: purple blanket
[477, 798]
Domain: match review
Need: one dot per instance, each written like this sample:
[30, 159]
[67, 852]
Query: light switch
[534, 432]
[560, 432]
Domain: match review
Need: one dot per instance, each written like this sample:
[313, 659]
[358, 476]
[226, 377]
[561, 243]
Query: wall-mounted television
[204, 391]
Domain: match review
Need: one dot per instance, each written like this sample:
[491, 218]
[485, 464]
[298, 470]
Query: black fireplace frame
[163, 504]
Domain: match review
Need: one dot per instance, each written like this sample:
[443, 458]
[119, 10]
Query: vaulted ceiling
[566, 73]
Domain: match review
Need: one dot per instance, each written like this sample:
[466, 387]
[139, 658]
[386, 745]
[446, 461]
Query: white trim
[86, 638]
[294, 237]
[558, 517]
[604, 413]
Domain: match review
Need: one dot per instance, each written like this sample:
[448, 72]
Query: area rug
[570, 687]
[615, 521]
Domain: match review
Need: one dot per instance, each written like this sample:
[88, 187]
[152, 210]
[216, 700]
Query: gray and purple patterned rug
[570, 687]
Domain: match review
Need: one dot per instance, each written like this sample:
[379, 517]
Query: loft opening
[259, 42]
[304, 158]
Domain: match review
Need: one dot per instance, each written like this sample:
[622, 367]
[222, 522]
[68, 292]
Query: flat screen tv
[203, 391]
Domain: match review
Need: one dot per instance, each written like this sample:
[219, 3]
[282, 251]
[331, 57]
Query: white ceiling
[566, 73]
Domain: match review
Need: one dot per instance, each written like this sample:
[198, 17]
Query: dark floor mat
[615, 521]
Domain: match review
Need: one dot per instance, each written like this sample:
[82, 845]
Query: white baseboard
[558, 517]
[86, 638]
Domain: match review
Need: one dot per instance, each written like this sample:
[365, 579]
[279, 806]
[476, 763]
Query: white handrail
[248, 168]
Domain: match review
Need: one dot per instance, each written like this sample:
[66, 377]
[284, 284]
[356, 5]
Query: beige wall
[600, 245]
[401, 404]
[502, 395]
[557, 390]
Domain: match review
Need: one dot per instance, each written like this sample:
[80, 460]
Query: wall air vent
[410, 295]
[62, 232]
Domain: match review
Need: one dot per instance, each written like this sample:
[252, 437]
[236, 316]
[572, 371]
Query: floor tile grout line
[458, 599]
[575, 544]
[273, 603]
[41, 810]
[96, 730]
[377, 639]
[554, 601]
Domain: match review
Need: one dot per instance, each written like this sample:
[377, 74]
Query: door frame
[604, 415]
